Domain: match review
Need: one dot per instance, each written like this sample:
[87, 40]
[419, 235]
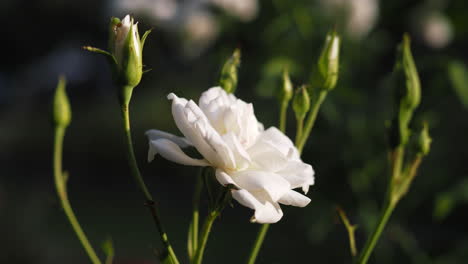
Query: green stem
[141, 184]
[372, 240]
[258, 243]
[350, 228]
[60, 185]
[193, 232]
[397, 157]
[299, 129]
[316, 103]
[283, 116]
[204, 236]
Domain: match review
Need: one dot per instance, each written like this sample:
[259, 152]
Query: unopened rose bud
[325, 76]
[228, 77]
[61, 105]
[124, 55]
[408, 92]
[301, 102]
[125, 46]
[285, 93]
[406, 76]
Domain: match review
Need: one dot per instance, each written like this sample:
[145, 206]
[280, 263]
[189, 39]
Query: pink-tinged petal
[154, 134]
[253, 181]
[295, 199]
[171, 151]
[266, 212]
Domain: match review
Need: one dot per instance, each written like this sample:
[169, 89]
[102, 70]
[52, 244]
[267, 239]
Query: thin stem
[299, 130]
[193, 232]
[258, 243]
[60, 185]
[141, 184]
[397, 157]
[350, 228]
[131, 155]
[204, 236]
[372, 240]
[283, 116]
[316, 103]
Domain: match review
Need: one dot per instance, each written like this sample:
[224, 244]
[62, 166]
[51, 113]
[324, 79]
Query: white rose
[263, 165]
[121, 31]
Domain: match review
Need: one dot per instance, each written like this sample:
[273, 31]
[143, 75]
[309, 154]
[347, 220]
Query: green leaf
[458, 76]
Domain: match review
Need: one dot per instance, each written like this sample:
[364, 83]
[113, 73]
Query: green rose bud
[61, 105]
[124, 55]
[285, 93]
[125, 46]
[408, 92]
[301, 102]
[228, 76]
[325, 75]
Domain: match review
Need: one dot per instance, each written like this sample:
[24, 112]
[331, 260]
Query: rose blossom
[263, 165]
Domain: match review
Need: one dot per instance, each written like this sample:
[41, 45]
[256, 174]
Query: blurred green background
[348, 147]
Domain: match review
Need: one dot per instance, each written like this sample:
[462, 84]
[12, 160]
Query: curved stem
[204, 236]
[258, 243]
[316, 103]
[141, 184]
[372, 240]
[60, 185]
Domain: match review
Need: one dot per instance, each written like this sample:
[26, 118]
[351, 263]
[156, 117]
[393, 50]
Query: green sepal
[114, 21]
[110, 58]
[143, 39]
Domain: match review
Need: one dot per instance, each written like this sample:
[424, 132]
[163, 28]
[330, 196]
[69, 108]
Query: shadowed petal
[171, 151]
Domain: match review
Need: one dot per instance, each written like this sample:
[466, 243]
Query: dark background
[348, 149]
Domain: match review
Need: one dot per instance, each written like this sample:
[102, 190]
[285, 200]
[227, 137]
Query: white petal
[270, 213]
[192, 122]
[171, 151]
[267, 156]
[154, 134]
[253, 181]
[126, 21]
[264, 212]
[242, 158]
[295, 199]
[298, 174]
[280, 141]
[224, 178]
